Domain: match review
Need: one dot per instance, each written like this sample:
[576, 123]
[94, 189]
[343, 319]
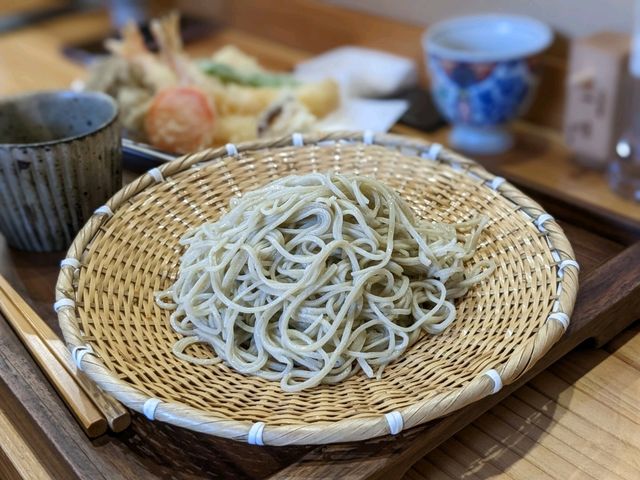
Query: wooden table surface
[578, 419]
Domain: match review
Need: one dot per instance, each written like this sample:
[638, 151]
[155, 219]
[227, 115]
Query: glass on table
[624, 169]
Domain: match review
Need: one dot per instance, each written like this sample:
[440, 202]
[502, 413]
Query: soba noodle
[315, 277]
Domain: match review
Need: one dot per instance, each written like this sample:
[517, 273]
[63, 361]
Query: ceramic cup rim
[95, 96]
[541, 37]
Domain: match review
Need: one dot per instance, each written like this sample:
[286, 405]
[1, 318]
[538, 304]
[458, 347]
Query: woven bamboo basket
[129, 249]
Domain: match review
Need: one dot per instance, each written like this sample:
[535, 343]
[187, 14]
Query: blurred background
[580, 83]
[569, 18]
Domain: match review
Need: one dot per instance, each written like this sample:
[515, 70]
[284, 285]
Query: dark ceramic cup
[60, 158]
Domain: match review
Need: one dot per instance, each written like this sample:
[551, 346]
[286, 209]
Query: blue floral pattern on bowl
[482, 93]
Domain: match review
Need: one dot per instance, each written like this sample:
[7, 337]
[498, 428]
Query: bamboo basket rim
[349, 429]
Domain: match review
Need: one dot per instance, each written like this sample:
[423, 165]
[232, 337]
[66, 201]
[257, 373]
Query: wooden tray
[608, 300]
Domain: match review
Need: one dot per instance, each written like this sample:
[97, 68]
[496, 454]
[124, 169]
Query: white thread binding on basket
[156, 174]
[64, 303]
[255, 434]
[434, 151]
[540, 221]
[70, 262]
[367, 137]
[395, 421]
[560, 317]
[567, 263]
[495, 377]
[297, 139]
[496, 182]
[103, 210]
[78, 353]
[555, 255]
[149, 408]
[457, 166]
[232, 150]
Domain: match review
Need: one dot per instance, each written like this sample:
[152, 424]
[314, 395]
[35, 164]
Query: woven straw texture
[130, 250]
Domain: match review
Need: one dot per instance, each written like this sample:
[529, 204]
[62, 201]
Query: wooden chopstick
[117, 416]
[91, 420]
[36, 334]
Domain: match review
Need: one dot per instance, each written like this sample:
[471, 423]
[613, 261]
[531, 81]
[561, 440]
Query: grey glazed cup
[60, 158]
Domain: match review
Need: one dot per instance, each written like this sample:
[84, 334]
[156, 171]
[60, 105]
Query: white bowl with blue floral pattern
[483, 75]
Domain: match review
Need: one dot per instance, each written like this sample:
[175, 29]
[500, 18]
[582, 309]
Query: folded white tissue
[362, 73]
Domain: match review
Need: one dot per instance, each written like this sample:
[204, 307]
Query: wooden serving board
[608, 300]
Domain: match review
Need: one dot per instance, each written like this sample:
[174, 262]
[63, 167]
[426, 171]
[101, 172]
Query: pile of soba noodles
[314, 277]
